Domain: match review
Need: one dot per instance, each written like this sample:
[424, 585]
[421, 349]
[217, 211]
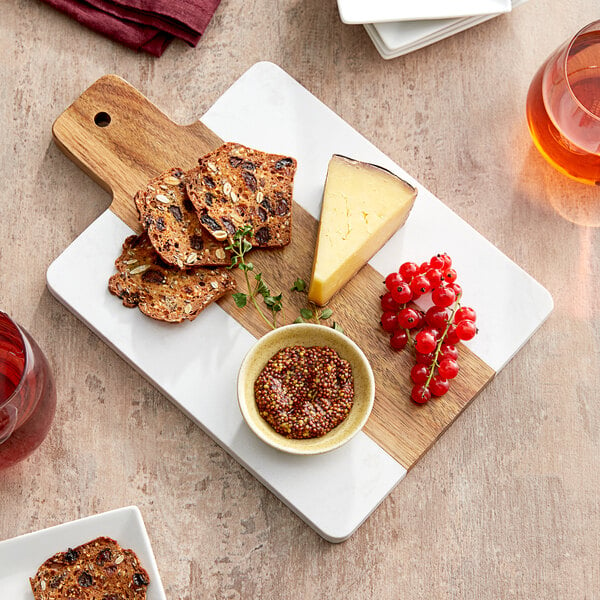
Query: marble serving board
[335, 492]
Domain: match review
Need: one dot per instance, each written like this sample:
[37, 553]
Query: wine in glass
[27, 393]
[563, 107]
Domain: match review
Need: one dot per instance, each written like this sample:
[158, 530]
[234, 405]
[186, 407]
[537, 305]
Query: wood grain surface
[505, 504]
[122, 141]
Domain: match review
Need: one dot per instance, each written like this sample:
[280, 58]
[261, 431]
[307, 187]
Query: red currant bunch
[433, 334]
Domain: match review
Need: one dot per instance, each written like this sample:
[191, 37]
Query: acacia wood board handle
[122, 140]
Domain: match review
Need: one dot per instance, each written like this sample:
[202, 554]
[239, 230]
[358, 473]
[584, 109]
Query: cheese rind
[363, 206]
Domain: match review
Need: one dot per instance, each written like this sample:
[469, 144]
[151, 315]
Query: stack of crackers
[178, 266]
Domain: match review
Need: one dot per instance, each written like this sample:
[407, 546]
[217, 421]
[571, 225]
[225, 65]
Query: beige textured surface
[506, 503]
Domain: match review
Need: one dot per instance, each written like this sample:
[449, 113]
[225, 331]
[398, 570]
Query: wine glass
[27, 393]
[563, 107]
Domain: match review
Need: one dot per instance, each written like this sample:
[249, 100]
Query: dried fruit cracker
[97, 570]
[162, 291]
[170, 219]
[236, 186]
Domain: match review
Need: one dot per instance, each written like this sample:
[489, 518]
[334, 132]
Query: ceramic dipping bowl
[305, 334]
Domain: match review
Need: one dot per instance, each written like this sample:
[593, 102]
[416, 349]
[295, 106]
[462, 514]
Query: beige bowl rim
[306, 334]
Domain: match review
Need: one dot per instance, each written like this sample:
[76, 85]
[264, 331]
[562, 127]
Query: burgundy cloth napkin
[147, 25]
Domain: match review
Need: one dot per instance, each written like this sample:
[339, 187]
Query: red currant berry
[450, 275]
[389, 321]
[407, 318]
[466, 330]
[451, 336]
[465, 313]
[420, 319]
[398, 339]
[435, 277]
[448, 368]
[456, 288]
[420, 285]
[408, 270]
[402, 293]
[438, 386]
[448, 351]
[447, 260]
[389, 304]
[437, 317]
[436, 333]
[420, 394]
[437, 262]
[443, 296]
[424, 359]
[393, 280]
[419, 373]
[424, 267]
[425, 342]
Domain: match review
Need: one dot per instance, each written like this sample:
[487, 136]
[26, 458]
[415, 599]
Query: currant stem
[409, 338]
[441, 341]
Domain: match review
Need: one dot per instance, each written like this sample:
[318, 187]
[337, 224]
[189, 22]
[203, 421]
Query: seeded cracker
[235, 186]
[162, 291]
[97, 570]
[170, 219]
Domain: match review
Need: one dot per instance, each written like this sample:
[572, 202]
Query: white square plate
[396, 39]
[21, 557]
[359, 12]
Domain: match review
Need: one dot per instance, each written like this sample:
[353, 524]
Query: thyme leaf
[299, 285]
[272, 304]
[240, 299]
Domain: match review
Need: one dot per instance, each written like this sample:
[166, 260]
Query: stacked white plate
[397, 28]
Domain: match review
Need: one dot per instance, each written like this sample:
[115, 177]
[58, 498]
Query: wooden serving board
[122, 140]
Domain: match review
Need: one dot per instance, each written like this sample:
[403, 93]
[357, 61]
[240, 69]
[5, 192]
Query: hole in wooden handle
[102, 119]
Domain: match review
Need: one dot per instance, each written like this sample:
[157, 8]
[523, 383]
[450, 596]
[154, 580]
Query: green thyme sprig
[239, 247]
[312, 312]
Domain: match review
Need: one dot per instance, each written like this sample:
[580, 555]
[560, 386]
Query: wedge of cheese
[363, 206]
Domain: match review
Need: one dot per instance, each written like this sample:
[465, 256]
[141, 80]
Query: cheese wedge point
[363, 206]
